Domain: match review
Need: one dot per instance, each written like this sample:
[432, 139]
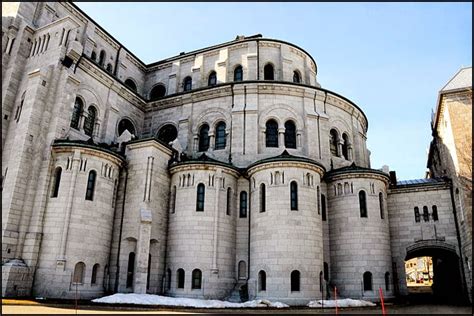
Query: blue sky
[389, 58]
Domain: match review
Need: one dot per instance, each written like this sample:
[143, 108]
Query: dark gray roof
[353, 168]
[286, 156]
[462, 79]
[428, 181]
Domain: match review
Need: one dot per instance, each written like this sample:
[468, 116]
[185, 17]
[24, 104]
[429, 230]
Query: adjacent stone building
[225, 172]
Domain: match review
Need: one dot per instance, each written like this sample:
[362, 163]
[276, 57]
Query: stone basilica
[227, 172]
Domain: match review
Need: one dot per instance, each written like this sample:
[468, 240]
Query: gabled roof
[461, 80]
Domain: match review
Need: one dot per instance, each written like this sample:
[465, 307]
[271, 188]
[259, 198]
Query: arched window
[238, 73]
[93, 56]
[242, 270]
[367, 281]
[323, 207]
[102, 57]
[77, 113]
[196, 281]
[294, 195]
[243, 204]
[295, 281]
[262, 281]
[434, 214]
[78, 276]
[95, 270]
[417, 214]
[229, 200]
[333, 140]
[296, 77]
[220, 136]
[131, 84]
[290, 134]
[173, 200]
[126, 124]
[90, 185]
[109, 68]
[362, 204]
[345, 146]
[382, 215]
[200, 198]
[204, 138]
[326, 271]
[20, 107]
[148, 274]
[89, 122]
[268, 72]
[426, 214]
[180, 279]
[321, 288]
[318, 200]
[187, 84]
[212, 80]
[130, 269]
[271, 133]
[167, 133]
[157, 92]
[168, 279]
[387, 281]
[57, 181]
[262, 198]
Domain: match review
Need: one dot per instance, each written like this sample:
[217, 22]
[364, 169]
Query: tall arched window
[57, 181]
[173, 200]
[262, 281]
[187, 84]
[167, 133]
[200, 198]
[242, 270]
[196, 281]
[323, 207]
[90, 121]
[326, 271]
[295, 281]
[78, 276]
[318, 200]
[262, 198]
[168, 279]
[345, 146]
[296, 77]
[90, 185]
[130, 269]
[321, 288]
[102, 57]
[204, 138]
[290, 134]
[434, 214]
[77, 113]
[387, 281]
[417, 214]
[271, 133]
[148, 274]
[367, 281]
[294, 195]
[229, 201]
[180, 279]
[95, 270]
[131, 84]
[238, 73]
[268, 73]
[212, 80]
[382, 215]
[426, 214]
[333, 140]
[220, 136]
[126, 124]
[363, 204]
[243, 204]
[157, 92]
[93, 56]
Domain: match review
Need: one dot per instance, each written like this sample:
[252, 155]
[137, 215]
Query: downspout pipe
[250, 216]
[117, 264]
[258, 60]
[117, 61]
[230, 131]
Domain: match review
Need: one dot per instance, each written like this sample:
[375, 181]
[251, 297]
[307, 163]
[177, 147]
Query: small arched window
[326, 271]
[130, 268]
[295, 281]
[417, 214]
[57, 181]
[345, 146]
[262, 281]
[294, 195]
[77, 113]
[242, 270]
[323, 207]
[367, 281]
[387, 281]
[180, 279]
[262, 198]
[229, 201]
[157, 92]
[204, 138]
[363, 204]
[131, 84]
[333, 140]
[290, 134]
[102, 57]
[20, 107]
[95, 270]
[173, 200]
[434, 214]
[296, 77]
[89, 122]
[243, 204]
[220, 136]
[196, 281]
[93, 56]
[187, 84]
[381, 203]
[200, 198]
[268, 73]
[318, 199]
[91, 185]
[271, 133]
[426, 214]
[167, 133]
[238, 73]
[78, 276]
[321, 288]
[126, 124]
[212, 80]
[109, 68]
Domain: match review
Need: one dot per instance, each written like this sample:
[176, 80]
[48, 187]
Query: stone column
[349, 152]
[281, 138]
[196, 143]
[298, 139]
[339, 148]
[211, 141]
[143, 251]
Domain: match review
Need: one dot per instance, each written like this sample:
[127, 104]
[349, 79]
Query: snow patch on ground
[149, 299]
[346, 302]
